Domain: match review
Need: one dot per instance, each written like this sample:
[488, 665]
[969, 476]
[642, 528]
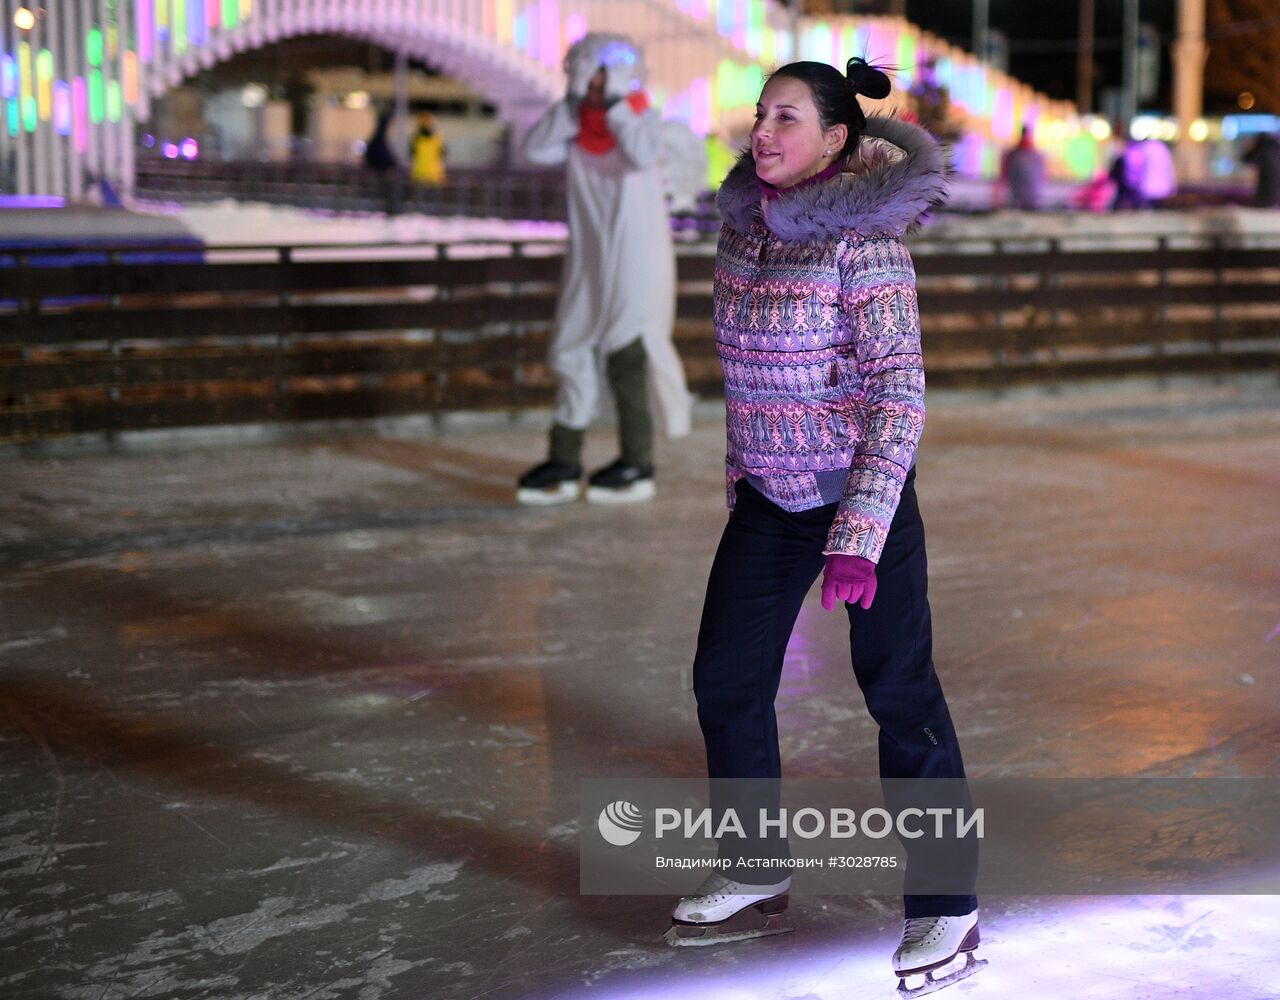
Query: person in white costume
[617, 298]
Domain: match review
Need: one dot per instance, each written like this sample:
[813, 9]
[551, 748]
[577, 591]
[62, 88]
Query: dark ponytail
[836, 95]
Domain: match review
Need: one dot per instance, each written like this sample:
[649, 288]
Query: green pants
[627, 370]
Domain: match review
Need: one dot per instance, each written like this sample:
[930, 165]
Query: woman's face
[788, 140]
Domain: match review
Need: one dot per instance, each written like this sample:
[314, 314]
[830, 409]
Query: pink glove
[848, 578]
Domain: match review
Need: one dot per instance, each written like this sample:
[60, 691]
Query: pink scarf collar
[768, 192]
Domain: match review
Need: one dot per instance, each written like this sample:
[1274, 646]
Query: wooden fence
[278, 333]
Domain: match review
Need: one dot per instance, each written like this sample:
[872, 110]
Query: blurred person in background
[1144, 174]
[1022, 176]
[1120, 175]
[427, 153]
[377, 151]
[379, 158]
[1159, 178]
[1264, 156]
[616, 309]
[1096, 195]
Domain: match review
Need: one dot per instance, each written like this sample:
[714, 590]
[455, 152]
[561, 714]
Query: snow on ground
[229, 222]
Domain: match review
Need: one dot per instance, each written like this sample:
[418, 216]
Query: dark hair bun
[866, 79]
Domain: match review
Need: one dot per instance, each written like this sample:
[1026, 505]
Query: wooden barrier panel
[277, 333]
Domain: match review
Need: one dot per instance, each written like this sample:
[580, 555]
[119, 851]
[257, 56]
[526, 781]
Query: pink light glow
[62, 122]
[189, 149]
[700, 105]
[575, 27]
[889, 39]
[549, 32]
[1004, 120]
[876, 52]
[170, 151]
[146, 29]
[678, 108]
[80, 114]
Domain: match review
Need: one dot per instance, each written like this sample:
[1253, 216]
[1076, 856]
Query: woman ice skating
[617, 298]
[819, 337]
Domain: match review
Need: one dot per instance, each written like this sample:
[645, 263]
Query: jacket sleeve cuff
[863, 518]
[852, 534]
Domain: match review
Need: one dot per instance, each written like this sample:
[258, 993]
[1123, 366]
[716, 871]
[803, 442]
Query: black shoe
[549, 483]
[621, 483]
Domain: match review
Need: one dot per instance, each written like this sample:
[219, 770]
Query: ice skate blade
[692, 936]
[931, 985]
[635, 493]
[564, 493]
[761, 919]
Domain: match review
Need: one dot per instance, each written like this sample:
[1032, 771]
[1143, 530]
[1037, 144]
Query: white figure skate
[722, 910]
[931, 944]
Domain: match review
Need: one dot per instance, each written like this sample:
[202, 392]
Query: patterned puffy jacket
[818, 332]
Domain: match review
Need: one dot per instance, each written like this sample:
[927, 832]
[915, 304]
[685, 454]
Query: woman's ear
[836, 137]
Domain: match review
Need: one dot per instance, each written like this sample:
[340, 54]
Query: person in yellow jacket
[428, 153]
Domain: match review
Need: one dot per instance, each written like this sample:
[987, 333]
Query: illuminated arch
[478, 62]
[73, 85]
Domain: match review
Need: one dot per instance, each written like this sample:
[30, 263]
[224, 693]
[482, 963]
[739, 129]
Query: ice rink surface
[302, 716]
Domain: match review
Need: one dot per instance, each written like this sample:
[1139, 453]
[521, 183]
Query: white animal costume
[619, 277]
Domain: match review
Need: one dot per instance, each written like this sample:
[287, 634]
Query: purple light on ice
[31, 201]
[1220, 946]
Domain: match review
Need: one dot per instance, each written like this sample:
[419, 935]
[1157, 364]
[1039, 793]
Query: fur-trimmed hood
[897, 172]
